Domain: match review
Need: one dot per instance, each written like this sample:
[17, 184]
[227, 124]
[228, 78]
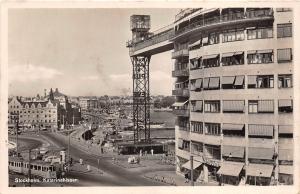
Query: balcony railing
[253, 14]
[180, 72]
[184, 128]
[180, 53]
[181, 112]
[181, 92]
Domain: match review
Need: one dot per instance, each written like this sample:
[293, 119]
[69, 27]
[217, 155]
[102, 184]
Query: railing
[185, 12]
[180, 72]
[181, 112]
[181, 92]
[160, 35]
[226, 18]
[183, 52]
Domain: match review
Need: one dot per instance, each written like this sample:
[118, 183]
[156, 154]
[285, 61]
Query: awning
[265, 51]
[286, 169]
[210, 56]
[284, 103]
[239, 53]
[251, 52]
[260, 170]
[260, 130]
[179, 104]
[198, 83]
[285, 154]
[199, 105]
[235, 127]
[233, 151]
[260, 153]
[187, 165]
[231, 168]
[214, 82]
[239, 80]
[205, 83]
[265, 106]
[227, 54]
[284, 54]
[198, 42]
[233, 105]
[228, 80]
[251, 79]
[285, 129]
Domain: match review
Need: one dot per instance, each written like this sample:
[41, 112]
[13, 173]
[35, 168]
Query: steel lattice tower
[141, 98]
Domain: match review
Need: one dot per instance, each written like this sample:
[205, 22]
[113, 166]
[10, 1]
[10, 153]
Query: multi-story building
[88, 103]
[234, 95]
[14, 108]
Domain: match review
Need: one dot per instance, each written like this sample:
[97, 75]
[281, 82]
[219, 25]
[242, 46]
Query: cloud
[27, 73]
[90, 77]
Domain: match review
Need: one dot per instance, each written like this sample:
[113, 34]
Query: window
[212, 106]
[261, 106]
[196, 85]
[197, 127]
[195, 63]
[196, 105]
[233, 35]
[283, 9]
[285, 81]
[213, 151]
[260, 56]
[284, 30]
[284, 55]
[233, 106]
[285, 106]
[212, 129]
[211, 61]
[260, 33]
[211, 83]
[260, 81]
[236, 58]
[183, 123]
[229, 129]
[183, 144]
[196, 148]
[213, 38]
[233, 82]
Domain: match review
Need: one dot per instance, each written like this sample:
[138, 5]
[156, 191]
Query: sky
[82, 52]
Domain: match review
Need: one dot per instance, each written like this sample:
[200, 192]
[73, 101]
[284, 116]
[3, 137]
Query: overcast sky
[80, 51]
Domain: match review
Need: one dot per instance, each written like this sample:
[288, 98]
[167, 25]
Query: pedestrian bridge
[157, 42]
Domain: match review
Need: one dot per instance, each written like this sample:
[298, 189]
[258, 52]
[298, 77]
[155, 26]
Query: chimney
[45, 93]
[56, 90]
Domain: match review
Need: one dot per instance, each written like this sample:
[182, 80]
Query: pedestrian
[186, 176]
[152, 152]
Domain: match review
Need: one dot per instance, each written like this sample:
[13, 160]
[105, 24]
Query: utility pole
[17, 126]
[29, 167]
[192, 170]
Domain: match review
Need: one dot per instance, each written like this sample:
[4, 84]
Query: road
[26, 143]
[113, 175]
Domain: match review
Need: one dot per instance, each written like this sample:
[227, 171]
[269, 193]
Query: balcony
[180, 72]
[180, 53]
[181, 92]
[234, 18]
[181, 112]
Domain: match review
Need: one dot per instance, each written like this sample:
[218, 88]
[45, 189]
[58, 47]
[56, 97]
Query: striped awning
[187, 165]
[228, 80]
[227, 54]
[231, 168]
[251, 79]
[233, 151]
[265, 106]
[260, 130]
[214, 82]
[260, 153]
[233, 127]
[265, 51]
[285, 103]
[210, 56]
[286, 169]
[260, 170]
[285, 154]
[233, 105]
[179, 104]
[251, 52]
[198, 83]
[239, 80]
[205, 82]
[285, 129]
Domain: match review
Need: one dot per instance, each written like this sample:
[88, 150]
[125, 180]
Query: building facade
[234, 95]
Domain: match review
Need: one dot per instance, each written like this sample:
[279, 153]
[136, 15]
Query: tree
[167, 101]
